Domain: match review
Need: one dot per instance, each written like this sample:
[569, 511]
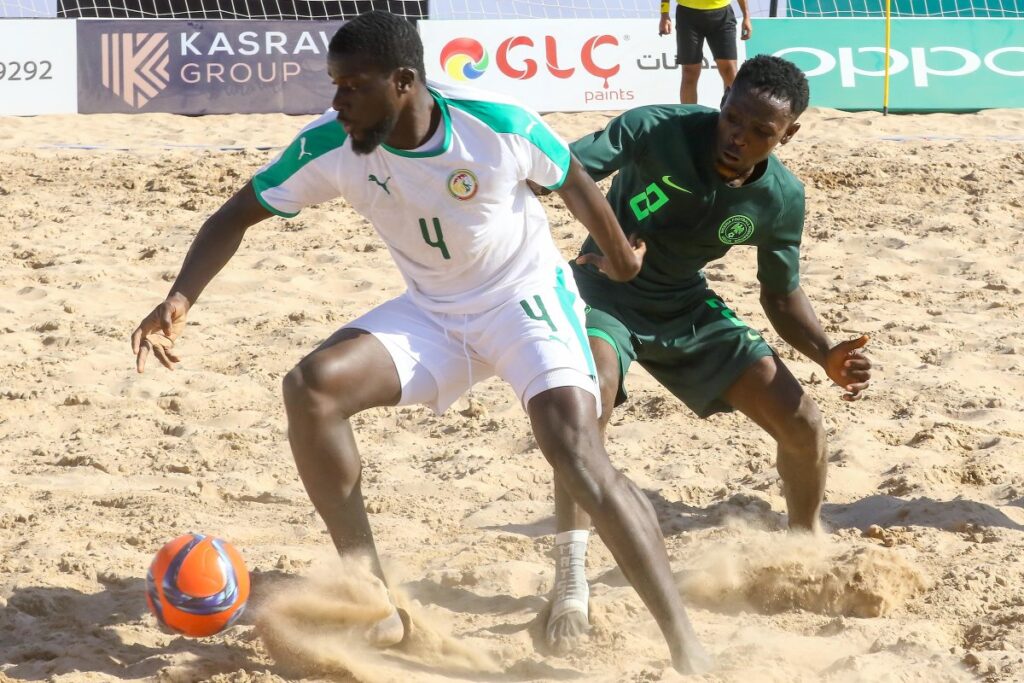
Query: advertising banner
[935, 64]
[38, 67]
[204, 67]
[564, 65]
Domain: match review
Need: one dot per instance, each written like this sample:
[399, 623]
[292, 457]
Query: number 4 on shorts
[543, 315]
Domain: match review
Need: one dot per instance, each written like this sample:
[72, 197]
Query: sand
[915, 235]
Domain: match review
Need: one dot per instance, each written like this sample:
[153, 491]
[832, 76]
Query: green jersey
[668, 193]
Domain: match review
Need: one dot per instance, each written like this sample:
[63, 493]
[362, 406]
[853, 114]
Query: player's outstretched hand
[848, 367]
[621, 272]
[158, 330]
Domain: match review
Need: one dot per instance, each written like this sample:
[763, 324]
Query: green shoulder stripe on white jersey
[310, 145]
[446, 121]
[508, 118]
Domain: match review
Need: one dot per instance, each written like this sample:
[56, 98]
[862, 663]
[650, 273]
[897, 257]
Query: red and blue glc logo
[464, 59]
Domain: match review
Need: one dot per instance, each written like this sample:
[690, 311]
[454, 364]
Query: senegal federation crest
[462, 184]
[735, 230]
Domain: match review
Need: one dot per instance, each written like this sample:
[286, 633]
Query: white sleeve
[547, 154]
[302, 174]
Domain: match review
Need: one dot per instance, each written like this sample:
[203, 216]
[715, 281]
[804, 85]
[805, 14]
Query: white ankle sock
[571, 590]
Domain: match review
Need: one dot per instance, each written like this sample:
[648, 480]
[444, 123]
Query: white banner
[565, 64]
[38, 67]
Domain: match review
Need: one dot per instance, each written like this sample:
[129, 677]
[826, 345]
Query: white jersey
[463, 227]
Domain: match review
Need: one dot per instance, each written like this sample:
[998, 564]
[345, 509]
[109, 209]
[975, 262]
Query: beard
[372, 138]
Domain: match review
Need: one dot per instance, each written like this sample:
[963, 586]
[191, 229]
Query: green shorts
[707, 351]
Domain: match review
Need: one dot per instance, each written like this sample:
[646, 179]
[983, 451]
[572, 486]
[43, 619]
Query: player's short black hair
[387, 40]
[777, 77]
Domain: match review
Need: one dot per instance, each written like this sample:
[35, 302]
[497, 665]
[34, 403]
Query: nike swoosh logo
[668, 181]
[753, 336]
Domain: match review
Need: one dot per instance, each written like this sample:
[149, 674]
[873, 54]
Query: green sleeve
[605, 151]
[778, 261]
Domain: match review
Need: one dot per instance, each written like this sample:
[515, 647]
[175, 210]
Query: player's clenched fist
[848, 367]
[158, 330]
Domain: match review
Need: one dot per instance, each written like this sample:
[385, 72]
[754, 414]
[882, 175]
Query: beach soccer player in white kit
[441, 173]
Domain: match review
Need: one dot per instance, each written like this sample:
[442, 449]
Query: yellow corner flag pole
[888, 37]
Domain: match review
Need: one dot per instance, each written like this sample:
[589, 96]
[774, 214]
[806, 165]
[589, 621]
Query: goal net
[485, 9]
[906, 8]
[211, 9]
[344, 9]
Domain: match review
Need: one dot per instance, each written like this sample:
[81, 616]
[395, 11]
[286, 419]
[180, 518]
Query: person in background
[697, 21]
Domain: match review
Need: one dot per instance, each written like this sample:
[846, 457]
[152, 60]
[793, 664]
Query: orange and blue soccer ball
[197, 585]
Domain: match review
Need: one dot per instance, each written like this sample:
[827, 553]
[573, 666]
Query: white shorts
[536, 343]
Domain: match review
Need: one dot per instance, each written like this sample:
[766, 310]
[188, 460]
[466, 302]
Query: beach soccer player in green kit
[441, 173]
[693, 183]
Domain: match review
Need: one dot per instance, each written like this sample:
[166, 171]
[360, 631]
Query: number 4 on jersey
[438, 240]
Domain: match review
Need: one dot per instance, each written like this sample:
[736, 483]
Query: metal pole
[888, 42]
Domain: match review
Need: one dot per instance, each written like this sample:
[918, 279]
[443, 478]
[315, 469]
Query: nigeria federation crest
[462, 184]
[735, 230]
